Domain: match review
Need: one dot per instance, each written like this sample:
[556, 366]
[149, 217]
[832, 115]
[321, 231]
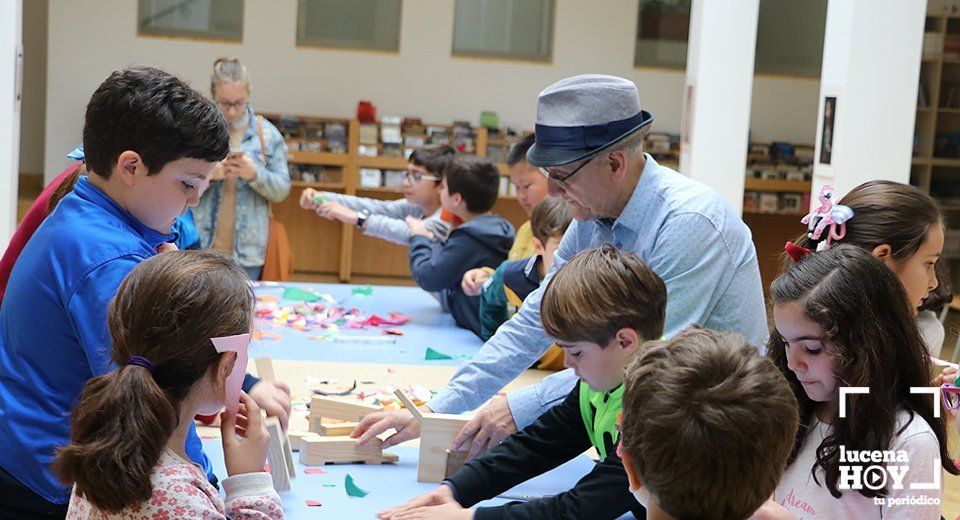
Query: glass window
[509, 29]
[205, 19]
[789, 36]
[349, 24]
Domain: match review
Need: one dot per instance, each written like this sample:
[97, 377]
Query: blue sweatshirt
[439, 267]
[64, 279]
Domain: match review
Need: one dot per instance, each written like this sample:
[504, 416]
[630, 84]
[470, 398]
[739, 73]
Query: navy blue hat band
[585, 137]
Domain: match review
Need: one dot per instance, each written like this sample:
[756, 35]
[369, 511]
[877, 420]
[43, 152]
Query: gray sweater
[386, 218]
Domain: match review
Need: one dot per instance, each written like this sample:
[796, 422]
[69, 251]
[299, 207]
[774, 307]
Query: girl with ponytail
[126, 456]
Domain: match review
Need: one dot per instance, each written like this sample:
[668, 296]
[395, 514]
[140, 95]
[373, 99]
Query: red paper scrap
[313, 503]
[314, 471]
[393, 332]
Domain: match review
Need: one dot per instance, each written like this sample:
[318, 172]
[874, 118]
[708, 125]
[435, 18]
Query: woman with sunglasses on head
[234, 214]
[388, 219]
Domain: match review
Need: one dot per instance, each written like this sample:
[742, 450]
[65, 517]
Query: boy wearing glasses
[386, 219]
[600, 307]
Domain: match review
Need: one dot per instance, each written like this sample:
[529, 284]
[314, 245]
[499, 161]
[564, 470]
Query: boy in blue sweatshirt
[469, 191]
[151, 143]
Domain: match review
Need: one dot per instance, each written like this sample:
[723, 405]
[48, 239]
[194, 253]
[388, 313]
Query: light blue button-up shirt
[686, 233]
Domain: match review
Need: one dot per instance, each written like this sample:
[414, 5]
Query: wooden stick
[409, 404]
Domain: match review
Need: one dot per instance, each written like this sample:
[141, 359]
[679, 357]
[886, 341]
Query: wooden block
[315, 451]
[279, 456]
[323, 427]
[436, 433]
[329, 408]
[295, 437]
[265, 369]
[456, 459]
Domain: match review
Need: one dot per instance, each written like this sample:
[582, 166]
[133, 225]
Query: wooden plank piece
[265, 369]
[330, 408]
[279, 456]
[295, 437]
[436, 433]
[409, 404]
[318, 450]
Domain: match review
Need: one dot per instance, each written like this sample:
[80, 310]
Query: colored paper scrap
[363, 291]
[298, 294]
[329, 484]
[260, 334]
[393, 332]
[352, 489]
[314, 471]
[433, 355]
[313, 503]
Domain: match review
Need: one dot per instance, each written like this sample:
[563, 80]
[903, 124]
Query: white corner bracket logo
[888, 465]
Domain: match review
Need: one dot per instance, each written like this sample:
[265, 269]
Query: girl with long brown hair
[126, 456]
[843, 320]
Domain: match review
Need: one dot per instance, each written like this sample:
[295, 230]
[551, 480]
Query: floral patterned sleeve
[181, 490]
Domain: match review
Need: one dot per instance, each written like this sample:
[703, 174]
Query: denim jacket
[253, 197]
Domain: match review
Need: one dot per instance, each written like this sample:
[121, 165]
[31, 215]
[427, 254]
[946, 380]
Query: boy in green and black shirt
[600, 308]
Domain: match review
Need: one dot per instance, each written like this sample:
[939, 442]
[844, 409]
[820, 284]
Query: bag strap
[263, 145]
[263, 150]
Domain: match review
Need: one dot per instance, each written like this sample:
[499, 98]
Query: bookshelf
[326, 153]
[776, 196]
[935, 167]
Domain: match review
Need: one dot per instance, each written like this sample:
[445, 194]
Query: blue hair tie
[140, 362]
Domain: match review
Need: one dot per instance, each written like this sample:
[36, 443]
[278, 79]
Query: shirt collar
[87, 191]
[639, 208]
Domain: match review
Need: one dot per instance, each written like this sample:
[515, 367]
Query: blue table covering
[431, 327]
[387, 484]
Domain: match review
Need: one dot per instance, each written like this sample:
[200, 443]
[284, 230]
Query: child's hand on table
[445, 512]
[442, 496]
[245, 438]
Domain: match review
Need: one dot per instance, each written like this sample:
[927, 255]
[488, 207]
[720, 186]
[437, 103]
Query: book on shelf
[336, 137]
[371, 178]
[369, 134]
[393, 178]
[437, 135]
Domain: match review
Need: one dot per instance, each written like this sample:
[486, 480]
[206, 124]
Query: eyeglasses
[951, 396]
[562, 179]
[415, 177]
[226, 105]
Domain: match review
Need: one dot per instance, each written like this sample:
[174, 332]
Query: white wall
[875, 110]
[33, 113]
[90, 39]
[11, 48]
[720, 59]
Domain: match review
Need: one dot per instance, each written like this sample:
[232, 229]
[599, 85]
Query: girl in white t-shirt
[843, 320]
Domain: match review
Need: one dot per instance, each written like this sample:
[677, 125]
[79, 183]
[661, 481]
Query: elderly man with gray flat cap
[589, 137]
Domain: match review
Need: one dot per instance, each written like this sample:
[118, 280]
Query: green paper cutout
[298, 294]
[433, 355]
[363, 291]
[327, 484]
[352, 489]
